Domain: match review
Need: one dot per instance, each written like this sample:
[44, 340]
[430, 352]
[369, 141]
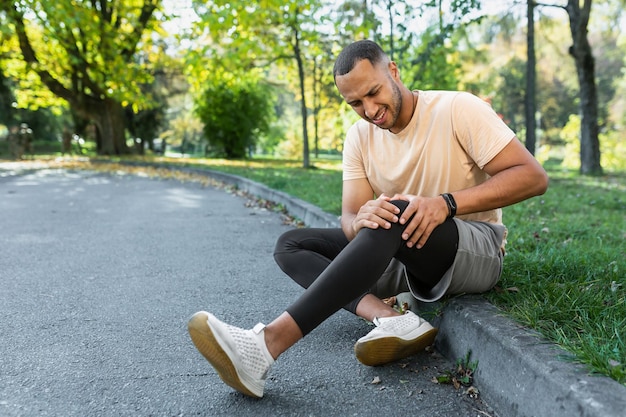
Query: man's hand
[427, 212]
[376, 213]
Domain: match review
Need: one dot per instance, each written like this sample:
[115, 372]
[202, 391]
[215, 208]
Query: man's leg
[361, 263]
[243, 357]
[303, 254]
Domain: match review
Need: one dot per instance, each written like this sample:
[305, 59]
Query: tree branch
[147, 10]
[558, 6]
[29, 54]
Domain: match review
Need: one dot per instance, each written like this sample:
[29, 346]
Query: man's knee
[401, 204]
[287, 242]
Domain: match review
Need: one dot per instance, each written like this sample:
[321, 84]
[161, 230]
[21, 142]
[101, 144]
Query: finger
[410, 210]
[424, 237]
[411, 232]
[374, 216]
[361, 223]
[383, 208]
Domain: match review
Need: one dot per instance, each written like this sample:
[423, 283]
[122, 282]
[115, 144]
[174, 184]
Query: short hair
[355, 52]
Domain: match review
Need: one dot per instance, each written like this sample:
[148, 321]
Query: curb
[519, 374]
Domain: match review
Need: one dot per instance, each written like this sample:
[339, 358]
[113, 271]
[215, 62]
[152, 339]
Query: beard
[396, 103]
[393, 109]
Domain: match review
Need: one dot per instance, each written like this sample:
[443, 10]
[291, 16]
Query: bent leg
[354, 270]
[337, 277]
[304, 254]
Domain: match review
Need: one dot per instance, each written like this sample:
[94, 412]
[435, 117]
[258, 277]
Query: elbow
[541, 182]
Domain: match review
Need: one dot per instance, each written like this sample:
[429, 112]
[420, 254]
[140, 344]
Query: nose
[370, 109]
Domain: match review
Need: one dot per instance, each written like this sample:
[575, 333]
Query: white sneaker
[394, 338]
[239, 356]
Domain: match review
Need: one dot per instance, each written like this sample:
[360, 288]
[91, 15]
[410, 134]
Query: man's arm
[515, 176]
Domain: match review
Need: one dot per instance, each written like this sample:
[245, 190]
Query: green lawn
[565, 269]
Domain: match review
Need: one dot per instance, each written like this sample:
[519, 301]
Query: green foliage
[94, 55]
[93, 44]
[434, 66]
[235, 113]
[612, 147]
[570, 135]
[462, 375]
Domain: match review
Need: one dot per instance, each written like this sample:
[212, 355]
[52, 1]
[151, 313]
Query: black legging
[338, 273]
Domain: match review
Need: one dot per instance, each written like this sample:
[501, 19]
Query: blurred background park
[239, 79]
[246, 87]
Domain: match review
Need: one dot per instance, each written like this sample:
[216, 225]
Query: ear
[393, 70]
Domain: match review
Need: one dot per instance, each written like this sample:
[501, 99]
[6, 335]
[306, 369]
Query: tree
[87, 53]
[581, 52]
[324, 93]
[259, 34]
[585, 69]
[530, 105]
[435, 63]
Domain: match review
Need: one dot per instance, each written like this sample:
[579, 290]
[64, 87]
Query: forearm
[347, 225]
[508, 187]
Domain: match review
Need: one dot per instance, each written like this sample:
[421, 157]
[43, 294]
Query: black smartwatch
[450, 203]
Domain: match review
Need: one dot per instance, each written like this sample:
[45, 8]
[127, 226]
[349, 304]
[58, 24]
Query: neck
[409, 102]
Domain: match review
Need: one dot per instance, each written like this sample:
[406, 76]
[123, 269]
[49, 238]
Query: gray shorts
[477, 266]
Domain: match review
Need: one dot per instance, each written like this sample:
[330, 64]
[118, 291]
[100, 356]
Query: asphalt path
[99, 274]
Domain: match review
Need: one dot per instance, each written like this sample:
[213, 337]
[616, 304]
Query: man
[425, 176]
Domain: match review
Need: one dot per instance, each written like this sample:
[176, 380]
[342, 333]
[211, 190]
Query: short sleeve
[479, 129]
[353, 163]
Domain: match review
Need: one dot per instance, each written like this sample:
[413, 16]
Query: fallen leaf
[472, 392]
[391, 301]
[456, 383]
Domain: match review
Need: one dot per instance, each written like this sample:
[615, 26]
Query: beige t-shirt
[450, 138]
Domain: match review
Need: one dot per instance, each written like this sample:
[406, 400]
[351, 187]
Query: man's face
[372, 92]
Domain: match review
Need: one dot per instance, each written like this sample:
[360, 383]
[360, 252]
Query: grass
[565, 269]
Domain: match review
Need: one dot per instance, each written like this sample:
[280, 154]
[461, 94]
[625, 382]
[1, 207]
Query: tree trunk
[585, 69]
[529, 101]
[303, 109]
[316, 105]
[108, 116]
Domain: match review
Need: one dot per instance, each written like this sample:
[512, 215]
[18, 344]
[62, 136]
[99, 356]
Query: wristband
[450, 203]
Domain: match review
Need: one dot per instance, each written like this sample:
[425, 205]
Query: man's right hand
[376, 213]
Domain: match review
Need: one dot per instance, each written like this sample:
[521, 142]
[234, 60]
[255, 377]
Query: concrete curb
[519, 373]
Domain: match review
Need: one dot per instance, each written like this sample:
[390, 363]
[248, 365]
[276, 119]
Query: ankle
[281, 334]
[388, 313]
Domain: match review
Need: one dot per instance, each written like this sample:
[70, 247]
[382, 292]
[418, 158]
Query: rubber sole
[206, 343]
[389, 349]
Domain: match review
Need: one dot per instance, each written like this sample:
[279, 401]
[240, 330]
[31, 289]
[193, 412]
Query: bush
[234, 114]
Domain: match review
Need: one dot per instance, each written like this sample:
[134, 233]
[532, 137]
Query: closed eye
[373, 92]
